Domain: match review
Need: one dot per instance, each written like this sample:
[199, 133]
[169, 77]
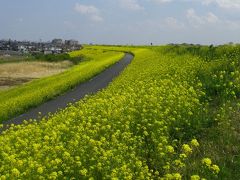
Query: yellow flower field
[145, 125]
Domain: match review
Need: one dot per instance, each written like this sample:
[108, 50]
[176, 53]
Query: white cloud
[197, 20]
[212, 18]
[85, 9]
[130, 4]
[232, 25]
[173, 23]
[193, 18]
[229, 4]
[96, 18]
[162, 1]
[69, 24]
[205, 21]
[90, 11]
[20, 20]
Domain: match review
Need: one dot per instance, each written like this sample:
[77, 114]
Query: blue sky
[122, 21]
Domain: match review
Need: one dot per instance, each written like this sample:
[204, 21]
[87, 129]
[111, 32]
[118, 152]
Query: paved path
[92, 86]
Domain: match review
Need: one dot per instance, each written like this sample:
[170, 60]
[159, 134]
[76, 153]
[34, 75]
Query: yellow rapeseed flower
[15, 172]
[195, 177]
[207, 161]
[177, 176]
[83, 172]
[183, 156]
[186, 149]
[215, 168]
[40, 170]
[194, 143]
[170, 149]
[3, 177]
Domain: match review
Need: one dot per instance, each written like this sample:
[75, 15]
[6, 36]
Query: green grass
[220, 138]
[43, 58]
[58, 57]
[18, 100]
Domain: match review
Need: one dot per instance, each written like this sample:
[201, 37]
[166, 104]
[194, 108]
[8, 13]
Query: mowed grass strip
[18, 100]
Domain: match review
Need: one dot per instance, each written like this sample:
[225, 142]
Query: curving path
[97, 83]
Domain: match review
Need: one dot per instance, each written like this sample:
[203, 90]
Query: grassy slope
[20, 99]
[220, 138]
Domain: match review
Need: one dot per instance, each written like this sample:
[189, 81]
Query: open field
[172, 114]
[16, 70]
[12, 74]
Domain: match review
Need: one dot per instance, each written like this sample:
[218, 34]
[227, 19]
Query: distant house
[57, 42]
[71, 42]
[56, 46]
[56, 50]
[71, 45]
[22, 49]
[47, 51]
[10, 53]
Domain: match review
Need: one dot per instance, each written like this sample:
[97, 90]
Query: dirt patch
[8, 82]
[32, 69]
[13, 74]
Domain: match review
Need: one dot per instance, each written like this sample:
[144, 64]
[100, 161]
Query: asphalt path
[92, 86]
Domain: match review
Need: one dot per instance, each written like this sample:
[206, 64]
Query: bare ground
[12, 74]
